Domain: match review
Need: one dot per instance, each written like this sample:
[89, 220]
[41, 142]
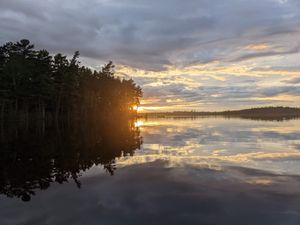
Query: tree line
[263, 113]
[36, 85]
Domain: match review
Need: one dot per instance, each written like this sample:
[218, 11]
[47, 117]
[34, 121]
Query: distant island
[263, 113]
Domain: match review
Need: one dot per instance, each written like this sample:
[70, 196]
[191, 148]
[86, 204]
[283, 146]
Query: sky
[204, 55]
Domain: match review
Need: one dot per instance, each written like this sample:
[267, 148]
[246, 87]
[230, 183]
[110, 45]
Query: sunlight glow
[138, 108]
[139, 123]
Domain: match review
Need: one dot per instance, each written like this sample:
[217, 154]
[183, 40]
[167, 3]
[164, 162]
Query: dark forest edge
[263, 113]
[35, 85]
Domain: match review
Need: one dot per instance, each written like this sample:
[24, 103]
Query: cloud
[295, 80]
[275, 91]
[258, 47]
[149, 35]
[260, 36]
[265, 54]
[246, 92]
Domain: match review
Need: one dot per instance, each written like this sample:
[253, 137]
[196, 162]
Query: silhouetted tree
[35, 84]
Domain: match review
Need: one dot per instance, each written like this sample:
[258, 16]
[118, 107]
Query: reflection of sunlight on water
[145, 123]
[139, 123]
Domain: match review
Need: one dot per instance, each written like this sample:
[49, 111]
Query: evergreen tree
[35, 84]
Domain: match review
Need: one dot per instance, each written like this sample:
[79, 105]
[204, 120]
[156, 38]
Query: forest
[263, 113]
[35, 85]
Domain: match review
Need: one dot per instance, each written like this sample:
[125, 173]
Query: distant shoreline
[263, 113]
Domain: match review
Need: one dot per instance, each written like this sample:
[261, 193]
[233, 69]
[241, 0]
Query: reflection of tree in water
[32, 158]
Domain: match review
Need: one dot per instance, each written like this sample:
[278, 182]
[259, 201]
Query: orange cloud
[258, 47]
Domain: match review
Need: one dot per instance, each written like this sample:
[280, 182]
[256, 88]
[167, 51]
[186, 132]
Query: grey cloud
[264, 54]
[151, 35]
[295, 80]
[148, 35]
[274, 91]
[244, 92]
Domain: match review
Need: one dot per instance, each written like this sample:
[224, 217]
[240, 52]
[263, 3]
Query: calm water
[155, 171]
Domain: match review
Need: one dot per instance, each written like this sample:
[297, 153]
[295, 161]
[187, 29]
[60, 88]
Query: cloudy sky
[195, 54]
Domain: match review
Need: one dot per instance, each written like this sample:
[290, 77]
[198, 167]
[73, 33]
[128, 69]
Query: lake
[152, 171]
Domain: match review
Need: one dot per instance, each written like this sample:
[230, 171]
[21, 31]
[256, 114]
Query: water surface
[154, 171]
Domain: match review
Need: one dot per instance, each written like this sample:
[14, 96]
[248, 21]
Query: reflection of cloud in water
[154, 193]
[257, 144]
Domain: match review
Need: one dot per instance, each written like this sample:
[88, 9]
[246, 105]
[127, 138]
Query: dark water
[156, 171]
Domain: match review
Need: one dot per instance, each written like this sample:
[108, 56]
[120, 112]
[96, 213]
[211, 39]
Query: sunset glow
[150, 112]
[210, 61]
[139, 123]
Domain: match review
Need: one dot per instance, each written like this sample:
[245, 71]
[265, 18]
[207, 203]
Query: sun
[139, 123]
[138, 108]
